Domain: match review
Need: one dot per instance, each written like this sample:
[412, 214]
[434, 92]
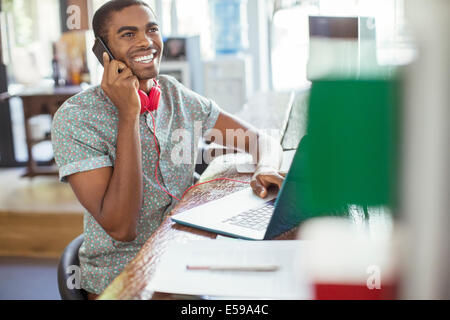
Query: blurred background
[239, 53]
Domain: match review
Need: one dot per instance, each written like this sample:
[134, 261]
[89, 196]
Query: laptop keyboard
[256, 219]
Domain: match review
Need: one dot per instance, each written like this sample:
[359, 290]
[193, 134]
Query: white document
[288, 282]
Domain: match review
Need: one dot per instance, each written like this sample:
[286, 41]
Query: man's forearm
[239, 135]
[123, 198]
[265, 150]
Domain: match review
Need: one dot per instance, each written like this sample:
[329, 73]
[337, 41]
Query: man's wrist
[270, 153]
[128, 118]
[265, 168]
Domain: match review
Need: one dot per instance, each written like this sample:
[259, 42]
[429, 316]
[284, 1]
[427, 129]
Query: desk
[271, 109]
[37, 103]
[132, 282]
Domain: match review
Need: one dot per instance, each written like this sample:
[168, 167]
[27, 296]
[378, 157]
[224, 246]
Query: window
[290, 34]
[29, 28]
[290, 40]
[193, 19]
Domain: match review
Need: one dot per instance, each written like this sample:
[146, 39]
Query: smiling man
[121, 170]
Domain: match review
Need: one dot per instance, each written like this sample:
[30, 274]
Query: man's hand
[263, 178]
[121, 86]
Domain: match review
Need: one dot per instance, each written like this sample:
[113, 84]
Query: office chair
[70, 258]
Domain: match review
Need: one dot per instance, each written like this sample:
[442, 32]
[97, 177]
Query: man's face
[134, 38]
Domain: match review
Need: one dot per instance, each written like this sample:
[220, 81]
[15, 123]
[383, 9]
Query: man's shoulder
[168, 82]
[91, 101]
[89, 104]
[173, 88]
[88, 97]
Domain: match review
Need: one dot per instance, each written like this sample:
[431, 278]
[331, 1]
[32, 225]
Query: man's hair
[101, 18]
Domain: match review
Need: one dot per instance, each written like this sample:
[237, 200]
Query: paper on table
[288, 282]
[222, 237]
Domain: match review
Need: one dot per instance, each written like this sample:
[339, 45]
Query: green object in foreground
[351, 152]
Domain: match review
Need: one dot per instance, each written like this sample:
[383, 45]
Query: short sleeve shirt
[84, 134]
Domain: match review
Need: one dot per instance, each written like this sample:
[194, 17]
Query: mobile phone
[100, 47]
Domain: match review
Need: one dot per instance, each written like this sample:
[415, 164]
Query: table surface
[132, 282]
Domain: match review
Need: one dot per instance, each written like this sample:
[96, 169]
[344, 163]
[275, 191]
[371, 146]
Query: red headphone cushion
[153, 97]
[144, 100]
[150, 102]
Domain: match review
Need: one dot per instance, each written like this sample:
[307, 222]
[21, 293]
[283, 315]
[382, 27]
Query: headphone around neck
[150, 102]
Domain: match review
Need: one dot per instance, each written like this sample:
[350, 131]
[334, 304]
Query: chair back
[70, 258]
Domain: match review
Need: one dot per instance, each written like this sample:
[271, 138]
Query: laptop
[244, 215]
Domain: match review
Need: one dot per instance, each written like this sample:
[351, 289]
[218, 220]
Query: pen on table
[233, 268]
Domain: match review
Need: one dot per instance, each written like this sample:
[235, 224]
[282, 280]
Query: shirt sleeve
[208, 113]
[76, 146]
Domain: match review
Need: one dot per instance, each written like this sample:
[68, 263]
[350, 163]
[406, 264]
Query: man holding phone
[105, 147]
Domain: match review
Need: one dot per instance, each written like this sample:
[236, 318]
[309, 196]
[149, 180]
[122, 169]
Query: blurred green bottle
[351, 153]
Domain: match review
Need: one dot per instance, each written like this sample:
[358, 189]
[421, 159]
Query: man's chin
[146, 75]
[145, 71]
[144, 78]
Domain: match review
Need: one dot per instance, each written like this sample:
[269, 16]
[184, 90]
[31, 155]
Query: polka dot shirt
[84, 134]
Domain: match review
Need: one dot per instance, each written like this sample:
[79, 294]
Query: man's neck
[146, 85]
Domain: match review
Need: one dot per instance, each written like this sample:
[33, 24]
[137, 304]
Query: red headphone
[150, 102]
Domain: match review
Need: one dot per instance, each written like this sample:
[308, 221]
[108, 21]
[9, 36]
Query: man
[106, 149]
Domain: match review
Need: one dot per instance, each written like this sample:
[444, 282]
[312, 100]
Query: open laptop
[243, 214]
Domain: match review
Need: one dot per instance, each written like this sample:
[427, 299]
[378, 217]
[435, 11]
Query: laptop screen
[286, 214]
